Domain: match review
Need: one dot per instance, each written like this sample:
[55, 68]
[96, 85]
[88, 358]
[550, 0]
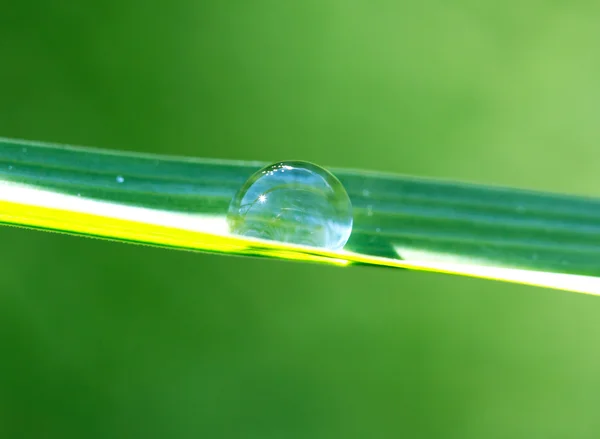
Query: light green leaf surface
[528, 237]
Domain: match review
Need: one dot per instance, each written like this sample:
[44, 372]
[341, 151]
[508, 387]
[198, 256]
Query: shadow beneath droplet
[372, 244]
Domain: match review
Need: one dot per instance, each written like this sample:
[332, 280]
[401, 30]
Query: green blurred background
[107, 340]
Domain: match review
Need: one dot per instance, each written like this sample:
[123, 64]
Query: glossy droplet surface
[294, 202]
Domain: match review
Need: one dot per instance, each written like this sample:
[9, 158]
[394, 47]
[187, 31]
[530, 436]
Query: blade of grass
[507, 234]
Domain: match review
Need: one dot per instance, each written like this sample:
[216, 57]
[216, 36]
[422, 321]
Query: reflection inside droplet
[294, 202]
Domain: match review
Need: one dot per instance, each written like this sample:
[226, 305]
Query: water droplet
[366, 192]
[378, 230]
[120, 179]
[306, 205]
[24, 149]
[10, 167]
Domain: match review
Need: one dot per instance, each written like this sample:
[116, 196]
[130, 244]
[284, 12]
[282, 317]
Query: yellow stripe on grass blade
[30, 206]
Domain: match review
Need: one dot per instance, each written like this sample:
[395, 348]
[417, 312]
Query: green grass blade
[535, 238]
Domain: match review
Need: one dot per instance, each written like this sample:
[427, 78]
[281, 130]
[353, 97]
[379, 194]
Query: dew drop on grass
[120, 179]
[294, 202]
